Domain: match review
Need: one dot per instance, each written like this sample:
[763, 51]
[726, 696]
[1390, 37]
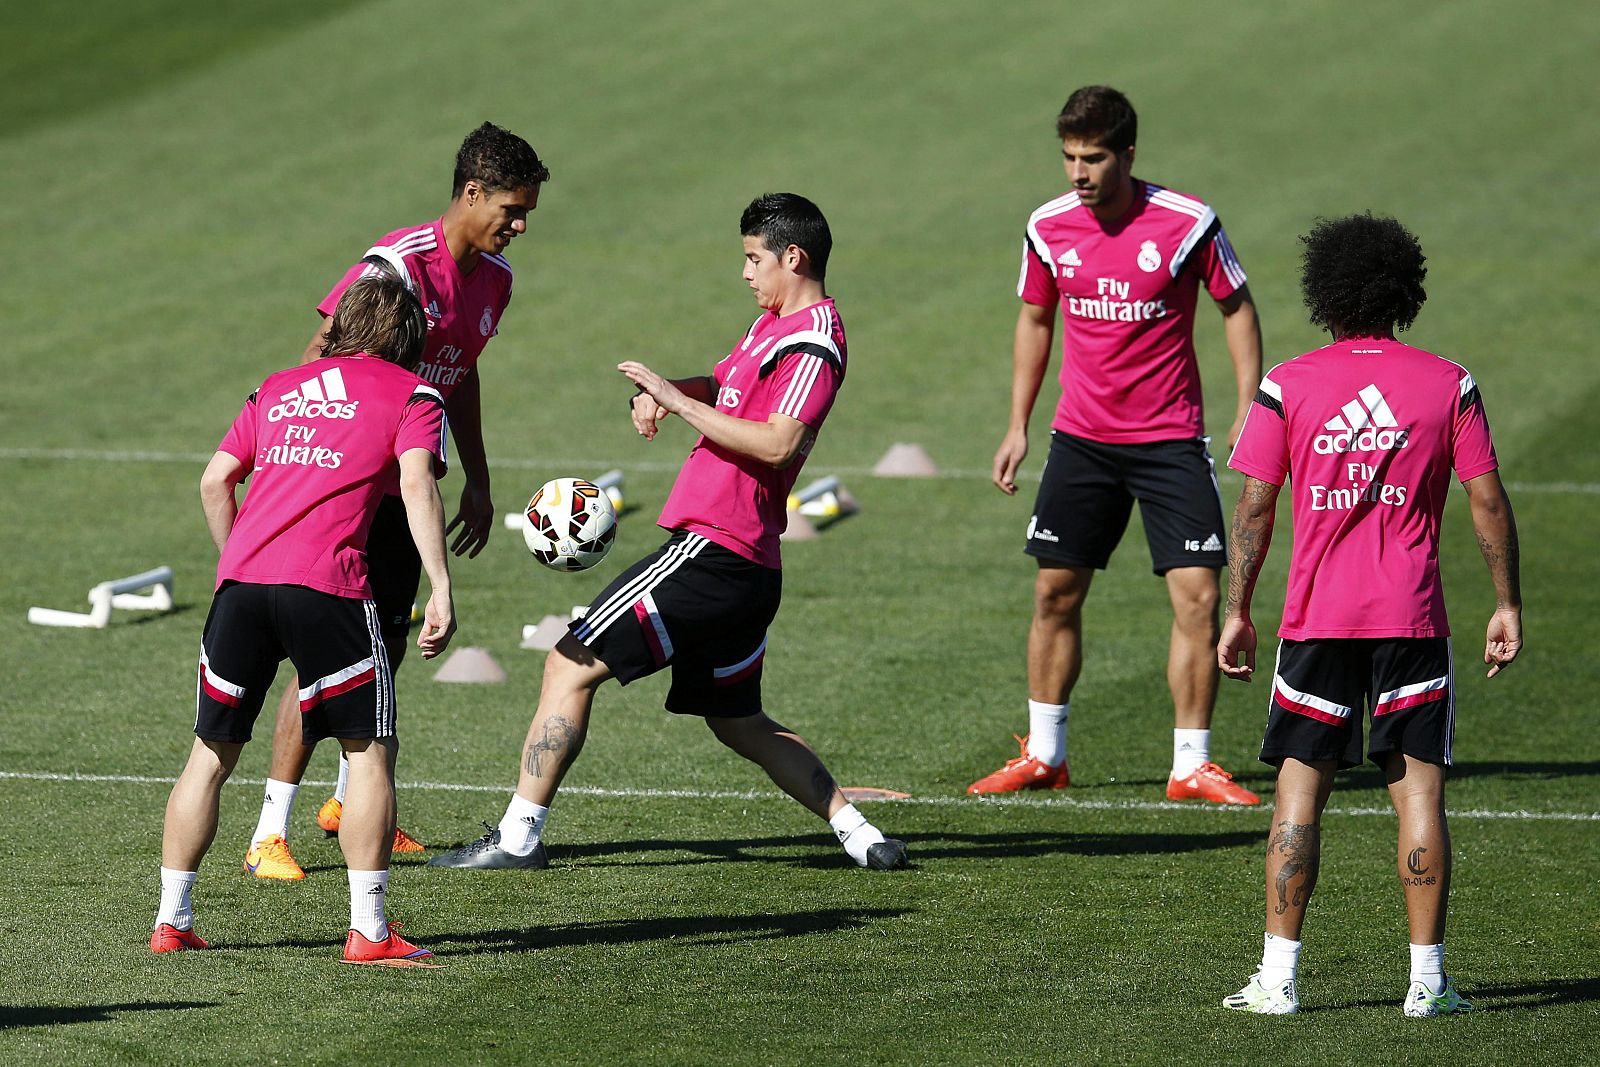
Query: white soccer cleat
[1422, 1004]
[1280, 999]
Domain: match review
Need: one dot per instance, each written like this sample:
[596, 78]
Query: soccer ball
[569, 524]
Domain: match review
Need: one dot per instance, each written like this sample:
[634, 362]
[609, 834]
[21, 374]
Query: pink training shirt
[791, 366]
[1366, 431]
[322, 441]
[463, 310]
[1127, 291]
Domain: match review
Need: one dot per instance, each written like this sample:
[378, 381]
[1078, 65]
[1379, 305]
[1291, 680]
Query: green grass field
[180, 183]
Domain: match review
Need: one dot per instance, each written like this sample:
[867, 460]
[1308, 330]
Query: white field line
[569, 463]
[1024, 800]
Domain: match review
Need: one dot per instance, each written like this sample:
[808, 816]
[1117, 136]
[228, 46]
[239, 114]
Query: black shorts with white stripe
[697, 607]
[1321, 685]
[334, 642]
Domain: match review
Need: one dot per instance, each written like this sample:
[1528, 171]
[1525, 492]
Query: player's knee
[1058, 596]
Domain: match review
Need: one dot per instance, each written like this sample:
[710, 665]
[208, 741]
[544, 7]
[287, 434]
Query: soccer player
[320, 442]
[1124, 259]
[454, 265]
[1365, 431]
[701, 604]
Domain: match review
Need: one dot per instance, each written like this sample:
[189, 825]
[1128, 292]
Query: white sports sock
[275, 807]
[177, 905]
[855, 833]
[1280, 960]
[1047, 732]
[344, 778]
[1427, 966]
[1190, 748]
[367, 890]
[521, 825]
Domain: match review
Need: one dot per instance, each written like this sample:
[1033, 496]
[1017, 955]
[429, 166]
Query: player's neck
[804, 293]
[455, 239]
[1114, 209]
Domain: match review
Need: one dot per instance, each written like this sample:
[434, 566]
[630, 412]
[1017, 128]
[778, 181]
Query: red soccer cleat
[1210, 782]
[404, 842]
[1024, 772]
[392, 951]
[168, 938]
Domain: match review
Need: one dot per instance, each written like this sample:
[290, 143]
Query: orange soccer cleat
[328, 815]
[168, 938]
[1209, 782]
[1024, 772]
[392, 951]
[270, 858]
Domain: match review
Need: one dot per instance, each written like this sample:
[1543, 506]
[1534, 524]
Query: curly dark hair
[1362, 275]
[784, 219]
[1100, 115]
[498, 160]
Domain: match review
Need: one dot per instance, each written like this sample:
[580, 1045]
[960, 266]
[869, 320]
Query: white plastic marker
[120, 593]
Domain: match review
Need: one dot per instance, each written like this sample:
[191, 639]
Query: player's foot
[168, 938]
[887, 855]
[485, 854]
[1280, 999]
[328, 815]
[1209, 782]
[1421, 1004]
[1024, 772]
[392, 951]
[270, 858]
[404, 842]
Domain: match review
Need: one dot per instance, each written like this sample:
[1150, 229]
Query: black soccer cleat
[887, 855]
[485, 854]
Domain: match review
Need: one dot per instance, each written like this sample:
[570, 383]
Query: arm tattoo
[1250, 539]
[1300, 845]
[561, 739]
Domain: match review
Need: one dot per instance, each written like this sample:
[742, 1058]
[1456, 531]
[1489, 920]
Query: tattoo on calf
[822, 785]
[1302, 855]
[560, 739]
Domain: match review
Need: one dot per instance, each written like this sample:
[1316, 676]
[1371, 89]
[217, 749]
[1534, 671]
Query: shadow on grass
[1509, 996]
[12, 1018]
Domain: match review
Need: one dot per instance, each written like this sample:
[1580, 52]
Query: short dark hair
[1100, 115]
[498, 160]
[784, 219]
[378, 314]
[1362, 275]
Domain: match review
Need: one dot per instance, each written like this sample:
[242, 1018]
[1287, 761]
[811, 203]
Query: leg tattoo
[822, 786]
[1299, 845]
[560, 739]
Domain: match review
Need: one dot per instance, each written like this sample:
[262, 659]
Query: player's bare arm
[1030, 358]
[475, 516]
[647, 413]
[1496, 527]
[1241, 326]
[776, 442]
[425, 516]
[318, 341]
[1248, 544]
[217, 497]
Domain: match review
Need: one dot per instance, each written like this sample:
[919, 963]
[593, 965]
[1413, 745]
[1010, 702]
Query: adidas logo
[432, 311]
[319, 397]
[1069, 259]
[375, 891]
[1365, 424]
[1213, 544]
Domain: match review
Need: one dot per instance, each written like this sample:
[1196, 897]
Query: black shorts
[346, 687]
[694, 605]
[1321, 685]
[1086, 494]
[394, 570]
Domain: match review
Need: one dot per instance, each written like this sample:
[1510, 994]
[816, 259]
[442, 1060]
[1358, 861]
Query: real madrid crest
[486, 324]
[1149, 258]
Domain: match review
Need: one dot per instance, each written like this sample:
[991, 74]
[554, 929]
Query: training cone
[543, 635]
[799, 529]
[470, 665]
[906, 461]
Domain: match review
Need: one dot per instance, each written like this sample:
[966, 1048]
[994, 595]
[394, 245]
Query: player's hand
[438, 624]
[1233, 434]
[1504, 639]
[646, 413]
[1238, 635]
[1013, 450]
[666, 395]
[475, 519]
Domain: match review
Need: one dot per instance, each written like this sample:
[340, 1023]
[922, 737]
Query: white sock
[344, 778]
[1280, 960]
[1047, 732]
[367, 890]
[521, 825]
[1190, 748]
[1427, 966]
[855, 833]
[177, 905]
[275, 808]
